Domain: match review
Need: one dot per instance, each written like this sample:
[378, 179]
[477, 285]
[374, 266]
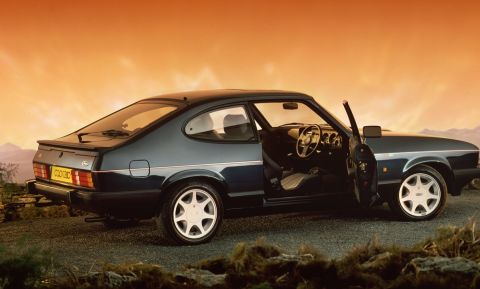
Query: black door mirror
[372, 131]
[290, 105]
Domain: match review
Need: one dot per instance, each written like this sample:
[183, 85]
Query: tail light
[40, 171]
[82, 179]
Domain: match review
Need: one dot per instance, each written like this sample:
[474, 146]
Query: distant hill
[10, 153]
[470, 135]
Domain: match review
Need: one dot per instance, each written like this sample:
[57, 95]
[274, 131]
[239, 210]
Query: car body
[232, 147]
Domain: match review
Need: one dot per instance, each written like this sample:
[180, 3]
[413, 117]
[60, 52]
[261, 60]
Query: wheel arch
[212, 178]
[441, 165]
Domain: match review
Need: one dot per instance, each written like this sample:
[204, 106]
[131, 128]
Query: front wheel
[422, 194]
[192, 213]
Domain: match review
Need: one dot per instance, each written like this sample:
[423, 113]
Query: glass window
[228, 124]
[277, 115]
[130, 119]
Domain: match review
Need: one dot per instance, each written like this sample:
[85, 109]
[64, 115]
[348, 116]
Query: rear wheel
[192, 213]
[422, 194]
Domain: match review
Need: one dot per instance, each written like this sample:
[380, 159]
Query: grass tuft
[262, 266]
[23, 266]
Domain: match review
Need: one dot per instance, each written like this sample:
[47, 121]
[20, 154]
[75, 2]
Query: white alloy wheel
[420, 194]
[195, 213]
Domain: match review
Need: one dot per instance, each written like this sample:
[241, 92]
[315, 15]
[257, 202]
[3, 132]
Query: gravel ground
[334, 232]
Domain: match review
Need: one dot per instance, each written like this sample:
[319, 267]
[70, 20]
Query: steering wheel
[308, 141]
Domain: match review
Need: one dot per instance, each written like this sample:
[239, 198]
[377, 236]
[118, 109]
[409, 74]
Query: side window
[227, 124]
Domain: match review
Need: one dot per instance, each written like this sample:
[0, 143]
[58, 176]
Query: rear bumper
[464, 176]
[120, 204]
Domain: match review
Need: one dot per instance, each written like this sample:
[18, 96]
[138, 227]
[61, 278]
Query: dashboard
[331, 139]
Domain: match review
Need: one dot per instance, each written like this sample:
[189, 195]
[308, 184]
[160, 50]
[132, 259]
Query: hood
[392, 142]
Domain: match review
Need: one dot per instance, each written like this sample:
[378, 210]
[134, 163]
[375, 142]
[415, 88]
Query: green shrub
[22, 266]
[454, 241]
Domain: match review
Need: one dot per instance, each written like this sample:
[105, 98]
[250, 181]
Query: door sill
[287, 200]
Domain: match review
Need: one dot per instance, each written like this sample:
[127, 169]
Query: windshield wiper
[115, 132]
[109, 132]
[292, 123]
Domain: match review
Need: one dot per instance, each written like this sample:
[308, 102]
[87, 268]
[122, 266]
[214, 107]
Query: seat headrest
[236, 126]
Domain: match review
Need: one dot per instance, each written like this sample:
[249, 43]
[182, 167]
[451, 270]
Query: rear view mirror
[372, 131]
[290, 105]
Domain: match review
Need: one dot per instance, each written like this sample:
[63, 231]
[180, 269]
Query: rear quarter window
[222, 125]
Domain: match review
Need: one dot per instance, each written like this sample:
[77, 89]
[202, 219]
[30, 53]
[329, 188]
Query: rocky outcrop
[376, 261]
[110, 279]
[201, 277]
[442, 266]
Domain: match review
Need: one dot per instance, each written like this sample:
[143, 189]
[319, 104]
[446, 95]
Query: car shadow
[284, 222]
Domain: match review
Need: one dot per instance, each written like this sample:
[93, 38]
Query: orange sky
[406, 65]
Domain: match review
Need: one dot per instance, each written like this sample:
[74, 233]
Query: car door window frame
[311, 104]
[249, 116]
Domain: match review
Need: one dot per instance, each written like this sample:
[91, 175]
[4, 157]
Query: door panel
[362, 165]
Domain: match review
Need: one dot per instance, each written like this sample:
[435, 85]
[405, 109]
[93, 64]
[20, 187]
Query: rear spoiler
[61, 144]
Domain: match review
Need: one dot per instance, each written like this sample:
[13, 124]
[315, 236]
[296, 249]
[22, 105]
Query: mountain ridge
[470, 135]
[9, 147]
[11, 153]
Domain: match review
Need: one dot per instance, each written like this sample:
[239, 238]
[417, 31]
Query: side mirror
[290, 105]
[372, 131]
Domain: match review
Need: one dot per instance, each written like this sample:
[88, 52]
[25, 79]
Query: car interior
[302, 154]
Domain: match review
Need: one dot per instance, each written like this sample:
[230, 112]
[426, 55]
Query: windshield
[277, 116]
[129, 120]
[302, 115]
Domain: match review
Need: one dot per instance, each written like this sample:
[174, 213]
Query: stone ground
[333, 230]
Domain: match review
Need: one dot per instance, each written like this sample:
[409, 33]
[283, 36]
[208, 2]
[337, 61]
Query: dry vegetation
[16, 204]
[447, 260]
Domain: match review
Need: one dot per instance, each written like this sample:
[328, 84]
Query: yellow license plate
[61, 174]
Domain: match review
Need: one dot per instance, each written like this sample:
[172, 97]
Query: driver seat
[288, 181]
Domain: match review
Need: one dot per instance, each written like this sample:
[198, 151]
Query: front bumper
[119, 204]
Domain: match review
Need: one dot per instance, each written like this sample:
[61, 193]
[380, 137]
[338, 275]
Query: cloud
[126, 62]
[204, 79]
[269, 68]
[7, 59]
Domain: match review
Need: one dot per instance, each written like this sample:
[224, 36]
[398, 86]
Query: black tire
[165, 217]
[114, 223]
[394, 200]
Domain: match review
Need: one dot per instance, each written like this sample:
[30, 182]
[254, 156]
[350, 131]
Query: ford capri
[187, 159]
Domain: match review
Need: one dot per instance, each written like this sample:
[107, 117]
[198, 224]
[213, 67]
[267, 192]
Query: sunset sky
[405, 65]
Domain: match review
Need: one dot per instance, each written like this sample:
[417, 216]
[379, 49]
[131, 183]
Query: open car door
[362, 165]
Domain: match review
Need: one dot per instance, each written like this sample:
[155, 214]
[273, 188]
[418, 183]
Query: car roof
[202, 96]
